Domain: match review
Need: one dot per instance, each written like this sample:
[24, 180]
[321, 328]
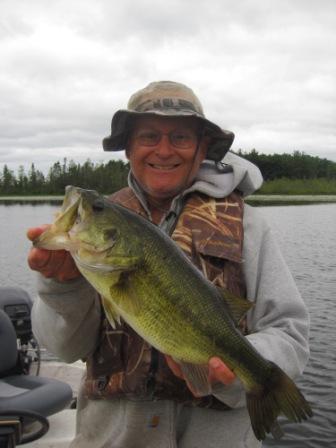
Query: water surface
[307, 235]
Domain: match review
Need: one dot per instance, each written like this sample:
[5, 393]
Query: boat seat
[27, 393]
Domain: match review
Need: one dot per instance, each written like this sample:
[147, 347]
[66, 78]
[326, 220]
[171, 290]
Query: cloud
[264, 69]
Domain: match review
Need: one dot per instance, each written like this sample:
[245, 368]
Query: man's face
[162, 154]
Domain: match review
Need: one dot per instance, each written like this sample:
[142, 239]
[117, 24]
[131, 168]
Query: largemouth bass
[145, 279]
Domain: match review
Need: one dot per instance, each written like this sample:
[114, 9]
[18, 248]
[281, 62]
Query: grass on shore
[285, 186]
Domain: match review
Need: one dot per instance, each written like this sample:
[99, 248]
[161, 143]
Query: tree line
[111, 176]
[297, 165]
[104, 177]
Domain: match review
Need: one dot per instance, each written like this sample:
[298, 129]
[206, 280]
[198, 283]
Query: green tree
[22, 182]
[8, 181]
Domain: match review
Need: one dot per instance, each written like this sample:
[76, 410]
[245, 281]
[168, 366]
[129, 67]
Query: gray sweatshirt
[66, 318]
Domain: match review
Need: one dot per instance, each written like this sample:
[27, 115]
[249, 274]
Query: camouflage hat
[169, 99]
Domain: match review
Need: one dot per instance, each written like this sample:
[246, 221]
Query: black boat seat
[45, 396]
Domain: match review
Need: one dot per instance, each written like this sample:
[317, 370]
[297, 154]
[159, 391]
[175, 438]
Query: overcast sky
[264, 69]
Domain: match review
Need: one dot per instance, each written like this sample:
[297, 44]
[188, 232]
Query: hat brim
[221, 139]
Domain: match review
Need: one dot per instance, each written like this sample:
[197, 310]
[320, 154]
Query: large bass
[144, 278]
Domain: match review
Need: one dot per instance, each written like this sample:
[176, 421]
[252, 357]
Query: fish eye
[111, 234]
[98, 205]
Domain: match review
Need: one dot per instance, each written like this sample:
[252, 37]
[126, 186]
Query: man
[133, 396]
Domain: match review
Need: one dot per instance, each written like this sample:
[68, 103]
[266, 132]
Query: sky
[264, 69]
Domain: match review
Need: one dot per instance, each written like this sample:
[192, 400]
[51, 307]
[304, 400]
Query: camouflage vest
[210, 232]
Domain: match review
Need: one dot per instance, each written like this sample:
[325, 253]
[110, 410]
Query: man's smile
[162, 167]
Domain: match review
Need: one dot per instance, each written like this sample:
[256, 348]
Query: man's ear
[205, 142]
[127, 149]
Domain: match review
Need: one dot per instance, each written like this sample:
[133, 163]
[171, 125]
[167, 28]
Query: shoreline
[32, 198]
[255, 199]
[289, 199]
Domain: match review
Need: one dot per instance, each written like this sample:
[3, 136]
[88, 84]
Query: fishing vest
[210, 232]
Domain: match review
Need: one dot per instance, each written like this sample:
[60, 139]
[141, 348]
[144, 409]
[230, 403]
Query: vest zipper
[167, 226]
[154, 364]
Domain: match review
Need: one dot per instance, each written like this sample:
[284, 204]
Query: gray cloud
[264, 69]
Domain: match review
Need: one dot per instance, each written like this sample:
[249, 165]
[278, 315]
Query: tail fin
[278, 396]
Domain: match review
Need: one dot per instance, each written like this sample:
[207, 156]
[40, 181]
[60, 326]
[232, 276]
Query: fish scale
[161, 322]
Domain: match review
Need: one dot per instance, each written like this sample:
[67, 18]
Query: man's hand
[218, 371]
[56, 264]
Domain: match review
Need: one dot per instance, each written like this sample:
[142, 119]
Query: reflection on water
[14, 221]
[307, 235]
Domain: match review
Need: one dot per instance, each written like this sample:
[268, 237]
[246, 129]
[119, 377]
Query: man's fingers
[68, 270]
[38, 258]
[56, 264]
[34, 232]
[219, 372]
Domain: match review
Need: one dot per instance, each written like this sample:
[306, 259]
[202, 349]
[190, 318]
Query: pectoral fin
[196, 376]
[125, 296]
[111, 313]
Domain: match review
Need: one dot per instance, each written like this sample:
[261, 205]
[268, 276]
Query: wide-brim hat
[169, 99]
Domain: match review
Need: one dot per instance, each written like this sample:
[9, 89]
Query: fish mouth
[95, 267]
[86, 248]
[160, 167]
[87, 245]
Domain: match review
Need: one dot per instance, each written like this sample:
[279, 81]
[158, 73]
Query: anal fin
[197, 378]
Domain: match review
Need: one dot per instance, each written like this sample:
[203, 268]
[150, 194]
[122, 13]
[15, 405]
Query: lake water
[307, 235]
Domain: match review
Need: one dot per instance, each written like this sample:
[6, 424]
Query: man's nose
[164, 148]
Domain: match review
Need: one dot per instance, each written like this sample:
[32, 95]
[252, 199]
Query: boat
[37, 394]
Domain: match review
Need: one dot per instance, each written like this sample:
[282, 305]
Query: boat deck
[62, 424]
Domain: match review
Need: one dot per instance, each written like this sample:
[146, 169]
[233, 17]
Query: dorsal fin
[237, 306]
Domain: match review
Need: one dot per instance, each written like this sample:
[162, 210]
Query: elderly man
[133, 396]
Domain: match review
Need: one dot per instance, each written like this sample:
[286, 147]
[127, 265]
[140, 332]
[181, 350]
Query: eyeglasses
[181, 138]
